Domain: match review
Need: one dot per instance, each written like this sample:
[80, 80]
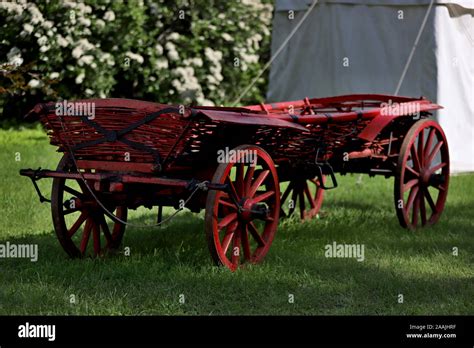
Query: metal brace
[320, 174]
[34, 178]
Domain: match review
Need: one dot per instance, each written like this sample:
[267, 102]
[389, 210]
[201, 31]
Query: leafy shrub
[184, 51]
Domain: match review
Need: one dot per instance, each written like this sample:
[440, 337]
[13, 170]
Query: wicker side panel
[161, 134]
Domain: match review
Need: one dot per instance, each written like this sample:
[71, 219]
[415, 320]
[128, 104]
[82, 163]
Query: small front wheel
[241, 221]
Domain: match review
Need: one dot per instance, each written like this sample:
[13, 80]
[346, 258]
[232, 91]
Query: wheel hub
[428, 178]
[425, 176]
[250, 210]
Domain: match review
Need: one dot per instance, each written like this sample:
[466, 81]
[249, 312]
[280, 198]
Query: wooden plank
[116, 166]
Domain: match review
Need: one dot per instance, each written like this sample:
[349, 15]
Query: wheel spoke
[236, 248]
[229, 235]
[73, 192]
[421, 139]
[416, 209]
[254, 232]
[239, 179]
[96, 238]
[439, 187]
[227, 204]
[233, 191]
[412, 171]
[105, 229]
[430, 201]
[435, 168]
[245, 242]
[434, 152]
[286, 193]
[302, 205]
[308, 195]
[83, 186]
[414, 157]
[248, 178]
[85, 235]
[77, 224]
[293, 202]
[263, 196]
[226, 221]
[257, 183]
[410, 184]
[70, 211]
[411, 198]
[316, 182]
[422, 207]
[429, 142]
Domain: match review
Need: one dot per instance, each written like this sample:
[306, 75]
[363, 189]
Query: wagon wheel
[245, 217]
[304, 194]
[422, 175]
[78, 219]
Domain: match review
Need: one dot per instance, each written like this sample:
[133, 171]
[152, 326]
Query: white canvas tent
[362, 46]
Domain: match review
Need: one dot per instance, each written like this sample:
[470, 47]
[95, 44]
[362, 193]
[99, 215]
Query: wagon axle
[429, 178]
[436, 180]
[79, 203]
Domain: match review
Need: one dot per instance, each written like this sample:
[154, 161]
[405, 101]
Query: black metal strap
[111, 135]
[320, 174]
[329, 117]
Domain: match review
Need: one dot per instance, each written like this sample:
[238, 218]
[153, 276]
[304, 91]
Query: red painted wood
[123, 178]
[116, 166]
[180, 139]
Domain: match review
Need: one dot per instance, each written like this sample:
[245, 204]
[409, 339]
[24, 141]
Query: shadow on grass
[144, 286]
[350, 204]
[186, 233]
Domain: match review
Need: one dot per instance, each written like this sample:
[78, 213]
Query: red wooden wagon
[134, 153]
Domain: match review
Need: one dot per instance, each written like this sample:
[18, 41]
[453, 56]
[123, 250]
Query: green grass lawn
[173, 260]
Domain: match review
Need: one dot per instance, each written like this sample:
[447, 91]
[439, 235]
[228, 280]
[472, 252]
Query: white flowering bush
[184, 51]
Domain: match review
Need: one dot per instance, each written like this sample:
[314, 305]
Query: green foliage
[186, 51]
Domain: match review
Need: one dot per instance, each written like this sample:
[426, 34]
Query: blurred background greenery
[185, 51]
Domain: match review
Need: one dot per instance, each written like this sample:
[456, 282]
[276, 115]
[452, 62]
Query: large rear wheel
[422, 175]
[242, 220]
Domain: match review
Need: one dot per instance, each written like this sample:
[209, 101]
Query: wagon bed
[183, 136]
